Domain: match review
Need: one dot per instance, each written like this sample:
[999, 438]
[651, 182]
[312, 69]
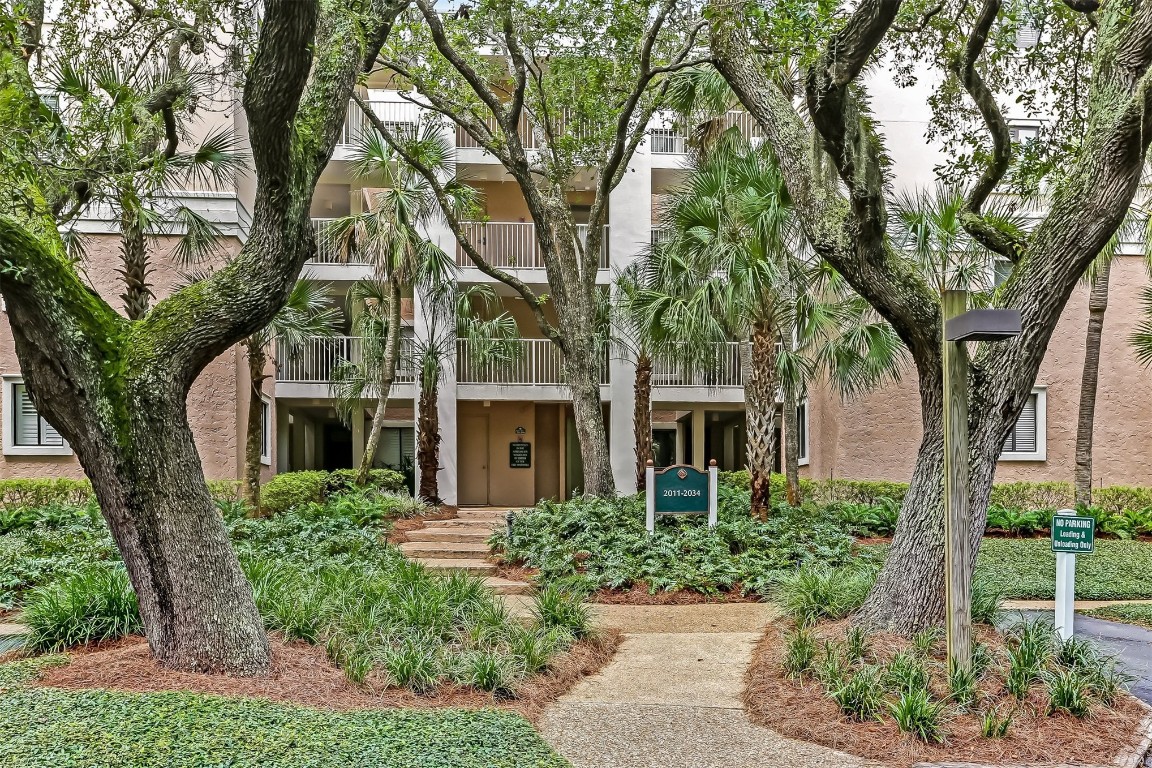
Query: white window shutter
[1023, 436]
[29, 427]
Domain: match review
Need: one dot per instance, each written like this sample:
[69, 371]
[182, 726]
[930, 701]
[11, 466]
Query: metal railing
[726, 372]
[401, 117]
[513, 245]
[314, 361]
[671, 136]
[328, 248]
[537, 362]
[464, 140]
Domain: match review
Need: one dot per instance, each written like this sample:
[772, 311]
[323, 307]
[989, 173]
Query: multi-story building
[486, 408]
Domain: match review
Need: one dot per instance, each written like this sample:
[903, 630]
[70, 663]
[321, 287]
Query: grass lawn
[1025, 569]
[1140, 615]
[50, 728]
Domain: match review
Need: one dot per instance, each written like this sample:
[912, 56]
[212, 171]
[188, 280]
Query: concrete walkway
[671, 697]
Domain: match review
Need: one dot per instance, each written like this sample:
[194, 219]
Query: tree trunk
[760, 417]
[195, 602]
[387, 377]
[134, 266]
[428, 452]
[1097, 306]
[582, 368]
[642, 419]
[253, 438]
[791, 445]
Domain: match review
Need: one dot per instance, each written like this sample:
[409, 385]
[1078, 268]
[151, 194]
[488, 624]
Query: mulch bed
[803, 712]
[638, 594]
[302, 674]
[400, 528]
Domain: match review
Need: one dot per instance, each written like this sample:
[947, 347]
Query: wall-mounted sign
[520, 455]
[681, 490]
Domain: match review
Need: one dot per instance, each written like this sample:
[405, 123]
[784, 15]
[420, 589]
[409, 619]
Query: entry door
[472, 459]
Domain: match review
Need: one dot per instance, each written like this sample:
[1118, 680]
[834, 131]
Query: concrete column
[309, 444]
[681, 444]
[282, 427]
[630, 230]
[699, 459]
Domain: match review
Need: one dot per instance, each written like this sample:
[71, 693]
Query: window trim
[266, 435]
[1041, 452]
[10, 448]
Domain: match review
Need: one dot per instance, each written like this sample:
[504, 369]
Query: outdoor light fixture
[520, 432]
[983, 325]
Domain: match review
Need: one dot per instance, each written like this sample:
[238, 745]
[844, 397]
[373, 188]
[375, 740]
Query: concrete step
[507, 586]
[478, 567]
[470, 523]
[482, 514]
[444, 549]
[456, 533]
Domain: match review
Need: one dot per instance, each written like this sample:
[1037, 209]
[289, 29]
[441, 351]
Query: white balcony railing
[513, 245]
[329, 249]
[538, 362]
[671, 137]
[314, 361]
[727, 372]
[401, 118]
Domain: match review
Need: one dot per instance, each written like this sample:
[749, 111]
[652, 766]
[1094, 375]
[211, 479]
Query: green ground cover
[1025, 569]
[1139, 614]
[50, 728]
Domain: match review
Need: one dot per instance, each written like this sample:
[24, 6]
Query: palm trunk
[642, 419]
[760, 417]
[1097, 306]
[134, 262]
[257, 360]
[791, 445]
[428, 452]
[387, 377]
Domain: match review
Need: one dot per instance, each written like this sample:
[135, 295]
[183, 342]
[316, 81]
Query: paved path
[671, 697]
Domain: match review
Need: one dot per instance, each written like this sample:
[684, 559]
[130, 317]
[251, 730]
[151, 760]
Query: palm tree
[1137, 224]
[636, 342]
[306, 315]
[722, 272]
[403, 261]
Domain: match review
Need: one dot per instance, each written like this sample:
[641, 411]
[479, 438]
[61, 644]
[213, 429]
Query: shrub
[1069, 692]
[41, 492]
[342, 480]
[97, 603]
[291, 489]
[862, 696]
[915, 713]
[487, 671]
[1117, 498]
[799, 652]
[1015, 521]
[1032, 496]
[993, 725]
[554, 608]
[818, 592]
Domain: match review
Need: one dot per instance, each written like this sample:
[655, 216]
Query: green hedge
[43, 491]
[290, 489]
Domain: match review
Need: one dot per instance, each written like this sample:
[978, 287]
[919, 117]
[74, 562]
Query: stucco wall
[217, 401]
[876, 437]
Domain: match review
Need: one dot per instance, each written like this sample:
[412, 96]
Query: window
[265, 431]
[26, 432]
[1026, 441]
[1022, 134]
[802, 432]
[397, 447]
[665, 141]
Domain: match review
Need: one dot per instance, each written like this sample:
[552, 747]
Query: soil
[400, 528]
[302, 674]
[639, 595]
[801, 710]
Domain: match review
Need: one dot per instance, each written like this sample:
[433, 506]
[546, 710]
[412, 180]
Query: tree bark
[428, 452]
[384, 386]
[134, 266]
[582, 369]
[1086, 419]
[760, 417]
[257, 360]
[642, 419]
[791, 445]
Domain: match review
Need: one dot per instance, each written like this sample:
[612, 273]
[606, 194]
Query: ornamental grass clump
[861, 696]
[96, 603]
[917, 714]
[799, 652]
[817, 592]
[905, 673]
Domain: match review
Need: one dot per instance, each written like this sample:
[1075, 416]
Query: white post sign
[1071, 534]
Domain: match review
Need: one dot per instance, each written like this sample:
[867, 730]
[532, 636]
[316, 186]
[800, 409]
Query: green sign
[1073, 533]
[520, 455]
[680, 490]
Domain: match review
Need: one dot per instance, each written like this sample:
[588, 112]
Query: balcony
[513, 245]
[306, 371]
[328, 249]
[672, 139]
[400, 117]
[538, 363]
[726, 374]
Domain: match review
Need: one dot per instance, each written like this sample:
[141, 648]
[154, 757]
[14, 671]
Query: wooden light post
[961, 326]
